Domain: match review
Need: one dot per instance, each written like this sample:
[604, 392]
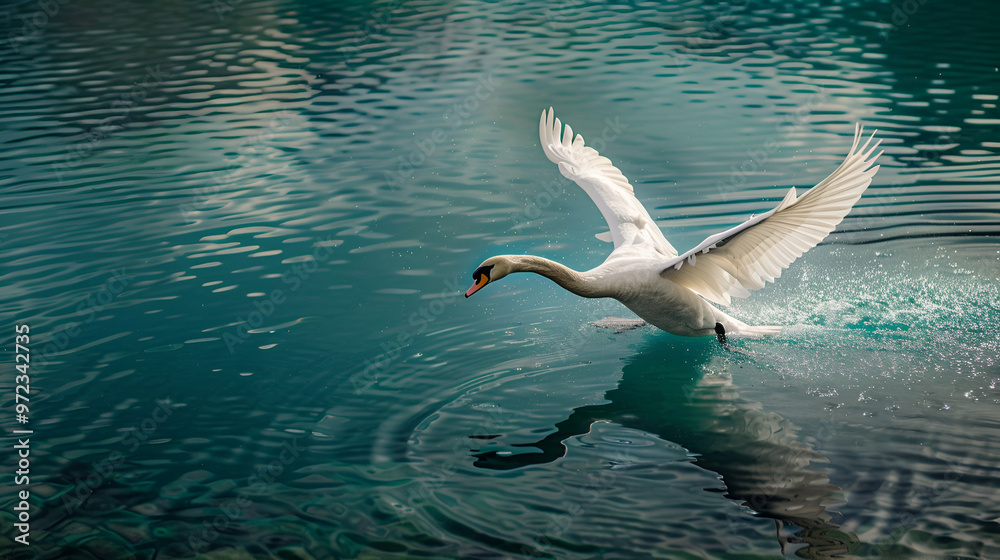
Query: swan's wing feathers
[629, 222]
[746, 257]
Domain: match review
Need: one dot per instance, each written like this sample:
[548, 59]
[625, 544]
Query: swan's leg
[720, 333]
[781, 540]
[619, 324]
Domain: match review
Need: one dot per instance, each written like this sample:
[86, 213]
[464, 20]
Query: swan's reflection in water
[681, 392]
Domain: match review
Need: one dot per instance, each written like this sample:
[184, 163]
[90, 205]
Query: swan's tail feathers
[759, 331]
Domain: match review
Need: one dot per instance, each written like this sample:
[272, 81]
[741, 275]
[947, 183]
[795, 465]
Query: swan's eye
[481, 277]
[482, 271]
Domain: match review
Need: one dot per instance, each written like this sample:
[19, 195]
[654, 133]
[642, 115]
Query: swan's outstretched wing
[743, 258]
[629, 222]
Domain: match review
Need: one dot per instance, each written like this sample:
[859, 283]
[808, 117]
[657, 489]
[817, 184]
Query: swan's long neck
[566, 277]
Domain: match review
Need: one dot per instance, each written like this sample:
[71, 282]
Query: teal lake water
[239, 232]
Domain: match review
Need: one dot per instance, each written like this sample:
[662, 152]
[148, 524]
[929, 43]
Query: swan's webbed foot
[619, 324]
[720, 333]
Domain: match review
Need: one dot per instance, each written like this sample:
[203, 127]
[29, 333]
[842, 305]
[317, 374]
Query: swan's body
[644, 271]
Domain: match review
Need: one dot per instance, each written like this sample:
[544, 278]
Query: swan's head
[492, 269]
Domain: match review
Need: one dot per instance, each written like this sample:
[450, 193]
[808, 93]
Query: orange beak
[483, 280]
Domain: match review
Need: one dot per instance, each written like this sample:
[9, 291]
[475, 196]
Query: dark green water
[239, 232]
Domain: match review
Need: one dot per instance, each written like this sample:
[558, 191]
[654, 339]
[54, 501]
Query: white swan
[644, 271]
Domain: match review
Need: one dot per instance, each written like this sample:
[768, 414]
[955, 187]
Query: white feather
[629, 222]
[757, 250]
